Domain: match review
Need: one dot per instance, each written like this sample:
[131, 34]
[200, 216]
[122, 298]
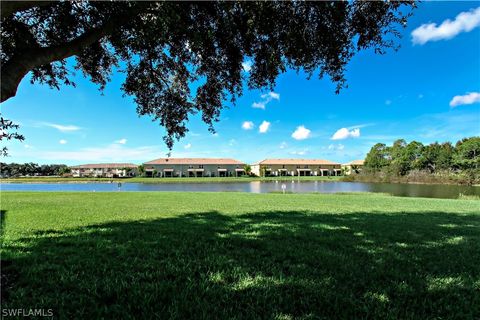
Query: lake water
[403, 190]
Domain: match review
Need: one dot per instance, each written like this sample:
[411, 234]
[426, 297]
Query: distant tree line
[402, 158]
[32, 169]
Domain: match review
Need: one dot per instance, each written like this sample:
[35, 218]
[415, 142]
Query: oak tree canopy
[182, 58]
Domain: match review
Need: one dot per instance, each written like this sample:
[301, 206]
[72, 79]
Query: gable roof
[104, 166]
[295, 162]
[166, 161]
[355, 163]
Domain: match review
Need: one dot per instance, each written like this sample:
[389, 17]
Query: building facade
[105, 170]
[194, 167]
[296, 167]
[354, 167]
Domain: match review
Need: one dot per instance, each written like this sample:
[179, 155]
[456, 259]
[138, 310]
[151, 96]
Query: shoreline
[206, 180]
[395, 181]
[165, 180]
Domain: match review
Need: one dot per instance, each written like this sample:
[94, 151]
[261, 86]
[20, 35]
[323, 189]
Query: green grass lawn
[240, 256]
[164, 180]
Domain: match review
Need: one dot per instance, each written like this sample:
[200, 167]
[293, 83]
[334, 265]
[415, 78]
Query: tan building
[106, 170]
[194, 167]
[354, 166]
[296, 167]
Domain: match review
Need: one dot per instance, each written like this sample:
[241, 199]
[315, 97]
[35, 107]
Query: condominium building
[194, 167]
[106, 170]
[296, 167]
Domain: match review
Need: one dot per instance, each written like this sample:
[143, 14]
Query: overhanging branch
[16, 68]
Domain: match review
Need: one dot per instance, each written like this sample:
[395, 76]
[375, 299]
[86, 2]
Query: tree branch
[16, 68]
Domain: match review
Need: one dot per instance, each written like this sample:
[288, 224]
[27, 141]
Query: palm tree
[355, 169]
[141, 170]
[248, 169]
[263, 171]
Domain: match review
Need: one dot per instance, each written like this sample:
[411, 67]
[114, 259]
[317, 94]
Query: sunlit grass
[238, 255]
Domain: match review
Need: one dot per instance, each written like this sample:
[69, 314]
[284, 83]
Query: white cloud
[271, 95]
[344, 133]
[464, 22]
[263, 128]
[283, 145]
[187, 146]
[299, 152]
[247, 125]
[247, 65]
[62, 128]
[232, 142]
[336, 147]
[301, 133]
[62, 141]
[121, 141]
[259, 105]
[359, 126]
[267, 98]
[27, 146]
[469, 98]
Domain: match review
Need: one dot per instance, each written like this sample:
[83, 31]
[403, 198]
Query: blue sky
[407, 94]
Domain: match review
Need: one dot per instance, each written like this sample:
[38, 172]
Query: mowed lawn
[240, 256]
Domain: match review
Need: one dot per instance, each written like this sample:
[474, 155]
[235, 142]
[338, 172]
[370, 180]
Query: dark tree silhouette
[403, 157]
[8, 131]
[165, 47]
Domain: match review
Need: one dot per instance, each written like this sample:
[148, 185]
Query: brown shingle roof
[224, 161]
[295, 162]
[355, 163]
[104, 166]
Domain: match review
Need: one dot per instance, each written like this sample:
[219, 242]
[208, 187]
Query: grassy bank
[239, 255]
[162, 180]
[417, 176]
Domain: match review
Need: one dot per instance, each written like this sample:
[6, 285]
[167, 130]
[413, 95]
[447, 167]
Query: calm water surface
[403, 190]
